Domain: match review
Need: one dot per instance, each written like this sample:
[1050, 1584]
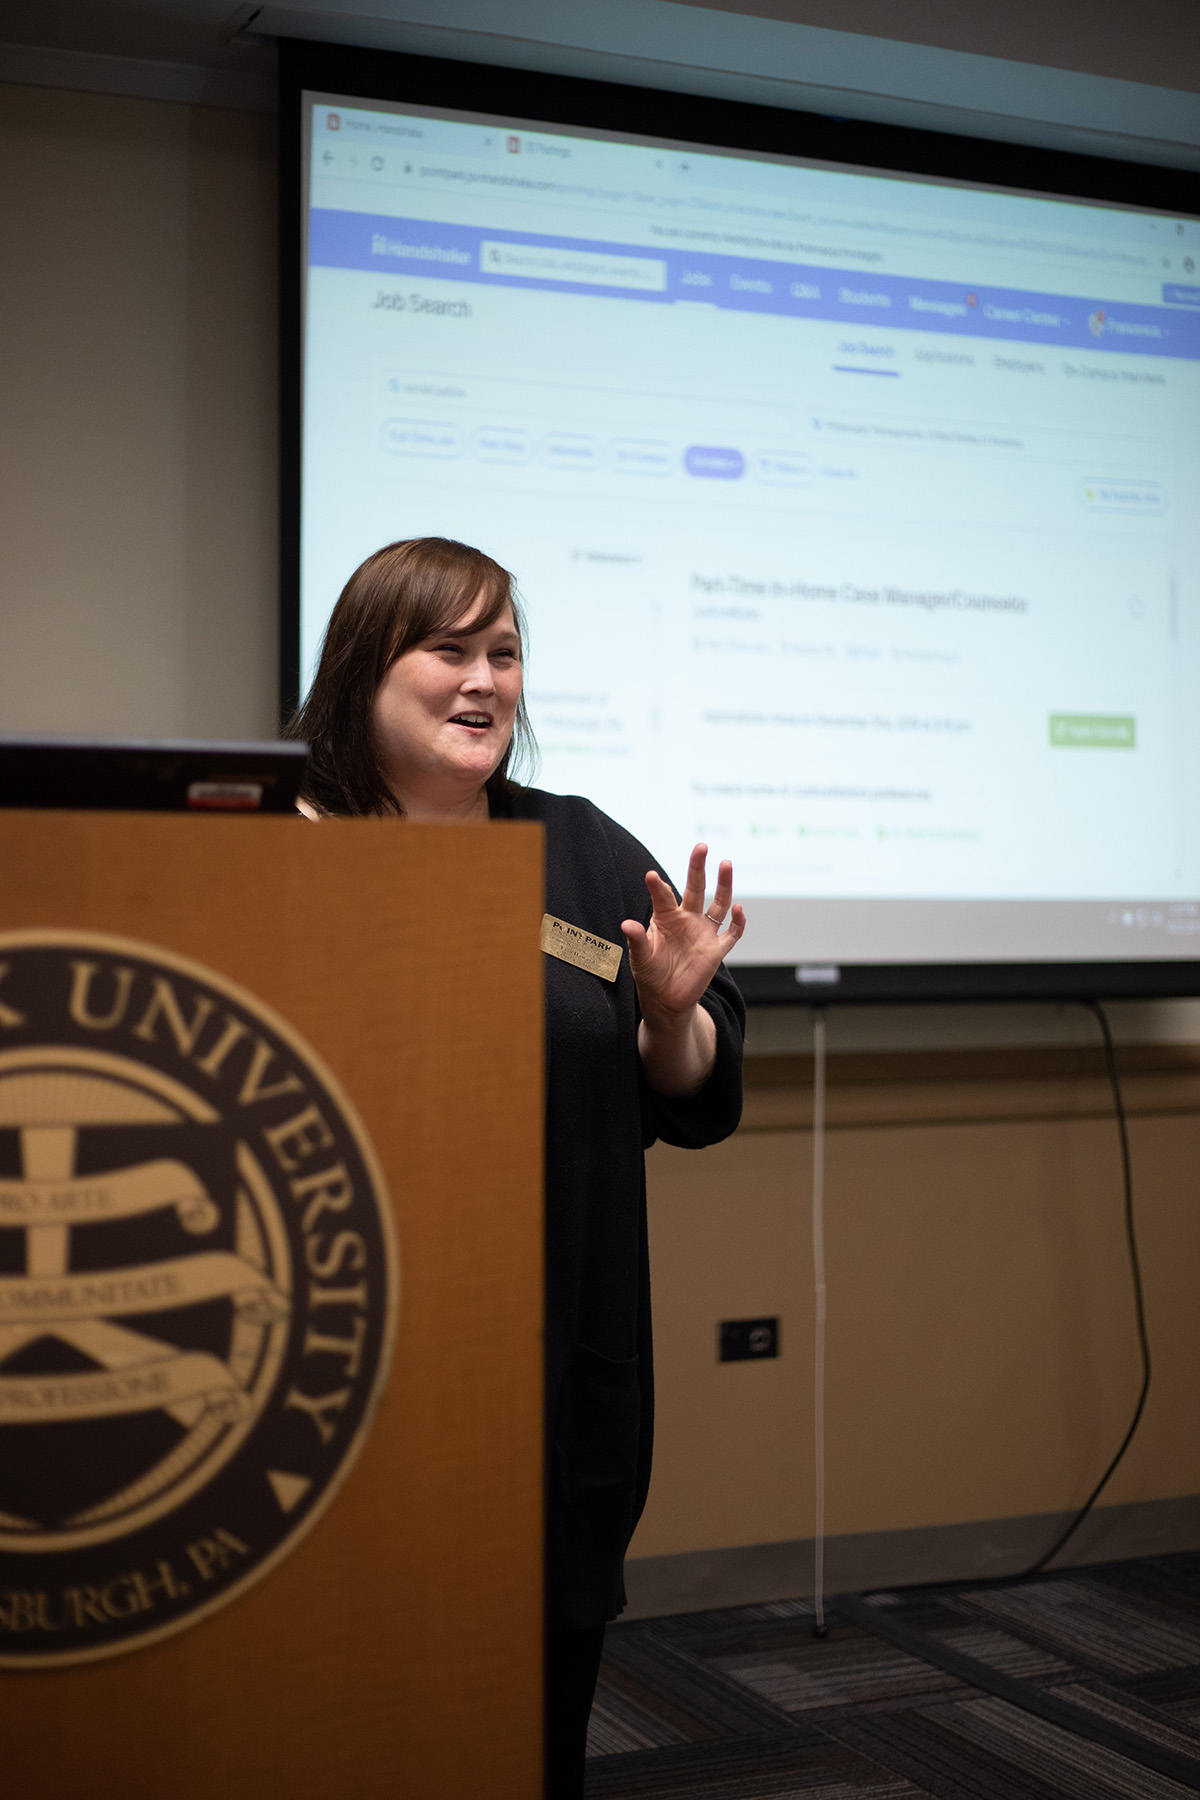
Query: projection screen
[856, 516]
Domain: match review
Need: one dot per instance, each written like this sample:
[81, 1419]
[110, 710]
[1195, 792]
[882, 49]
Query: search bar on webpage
[590, 266]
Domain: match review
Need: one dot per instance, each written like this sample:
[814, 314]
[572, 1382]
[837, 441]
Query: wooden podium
[395, 1650]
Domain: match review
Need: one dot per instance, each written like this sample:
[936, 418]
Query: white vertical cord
[818, 1245]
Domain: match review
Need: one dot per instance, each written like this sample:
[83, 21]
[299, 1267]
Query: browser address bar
[591, 266]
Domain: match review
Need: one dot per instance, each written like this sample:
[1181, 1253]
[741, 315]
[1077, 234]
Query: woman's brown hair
[398, 597]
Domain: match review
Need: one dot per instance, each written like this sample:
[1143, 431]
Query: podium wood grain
[396, 1650]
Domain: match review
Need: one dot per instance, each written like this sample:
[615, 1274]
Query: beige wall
[982, 1361]
[137, 436]
[1158, 43]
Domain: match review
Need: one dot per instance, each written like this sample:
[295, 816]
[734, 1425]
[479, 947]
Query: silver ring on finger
[716, 921]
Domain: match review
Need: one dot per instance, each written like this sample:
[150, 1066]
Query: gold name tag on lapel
[570, 943]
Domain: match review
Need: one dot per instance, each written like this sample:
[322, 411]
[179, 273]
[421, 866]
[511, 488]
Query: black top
[600, 1117]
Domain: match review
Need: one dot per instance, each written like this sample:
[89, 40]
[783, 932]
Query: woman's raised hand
[676, 956]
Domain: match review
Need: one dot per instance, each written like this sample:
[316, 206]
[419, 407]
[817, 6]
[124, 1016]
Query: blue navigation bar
[414, 247]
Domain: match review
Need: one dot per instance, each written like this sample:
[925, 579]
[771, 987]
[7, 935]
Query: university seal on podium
[197, 1293]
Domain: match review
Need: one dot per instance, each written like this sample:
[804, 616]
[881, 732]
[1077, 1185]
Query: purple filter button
[714, 462]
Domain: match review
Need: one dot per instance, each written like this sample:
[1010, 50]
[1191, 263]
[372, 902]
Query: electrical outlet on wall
[747, 1340]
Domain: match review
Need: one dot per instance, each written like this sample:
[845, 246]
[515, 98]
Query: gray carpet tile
[700, 1699]
[956, 1757]
[847, 1669]
[1033, 1748]
[744, 1703]
[1154, 1723]
[1097, 1627]
[624, 1719]
[1002, 1651]
[750, 1770]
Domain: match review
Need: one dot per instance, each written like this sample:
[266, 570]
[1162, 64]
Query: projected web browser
[855, 515]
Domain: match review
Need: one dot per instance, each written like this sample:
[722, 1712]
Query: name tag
[570, 943]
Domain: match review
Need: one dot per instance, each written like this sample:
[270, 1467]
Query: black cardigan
[600, 1117]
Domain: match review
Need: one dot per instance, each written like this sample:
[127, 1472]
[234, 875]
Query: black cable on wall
[1139, 1303]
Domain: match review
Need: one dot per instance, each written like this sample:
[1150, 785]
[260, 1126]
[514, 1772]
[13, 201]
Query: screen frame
[855, 144]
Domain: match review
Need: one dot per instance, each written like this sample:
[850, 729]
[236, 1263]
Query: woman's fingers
[737, 924]
[638, 946]
[674, 959]
[693, 892]
[662, 896]
[635, 937]
[724, 893]
[665, 910]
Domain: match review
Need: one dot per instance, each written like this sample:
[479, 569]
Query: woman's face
[443, 713]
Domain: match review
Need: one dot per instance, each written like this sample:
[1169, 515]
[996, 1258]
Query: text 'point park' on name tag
[570, 943]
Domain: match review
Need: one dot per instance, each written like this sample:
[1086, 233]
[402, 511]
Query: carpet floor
[746, 1704]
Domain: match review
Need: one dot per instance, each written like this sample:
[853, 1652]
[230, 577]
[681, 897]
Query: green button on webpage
[1092, 731]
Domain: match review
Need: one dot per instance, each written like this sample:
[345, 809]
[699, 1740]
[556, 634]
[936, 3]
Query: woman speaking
[416, 712]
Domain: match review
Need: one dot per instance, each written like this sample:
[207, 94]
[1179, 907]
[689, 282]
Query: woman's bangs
[496, 589]
[439, 596]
